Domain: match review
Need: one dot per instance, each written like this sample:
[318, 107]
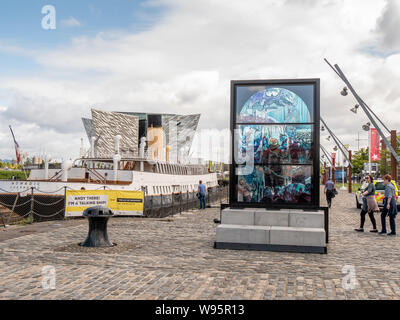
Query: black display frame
[315, 199]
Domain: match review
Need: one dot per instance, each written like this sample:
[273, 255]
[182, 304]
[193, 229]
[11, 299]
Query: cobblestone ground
[173, 258]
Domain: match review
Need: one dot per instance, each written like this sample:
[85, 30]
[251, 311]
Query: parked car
[379, 193]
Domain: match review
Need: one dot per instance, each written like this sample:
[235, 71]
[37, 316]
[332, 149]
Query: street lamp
[344, 92]
[322, 128]
[367, 126]
[329, 138]
[354, 110]
[335, 148]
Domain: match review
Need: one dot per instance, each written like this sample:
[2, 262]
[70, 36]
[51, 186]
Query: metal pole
[180, 202]
[350, 187]
[337, 142]
[343, 77]
[393, 160]
[32, 203]
[326, 153]
[65, 201]
[343, 187]
[369, 152]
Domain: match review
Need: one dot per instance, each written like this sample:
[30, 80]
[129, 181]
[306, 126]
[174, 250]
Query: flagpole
[17, 153]
[369, 151]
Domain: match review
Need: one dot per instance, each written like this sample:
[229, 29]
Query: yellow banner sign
[127, 203]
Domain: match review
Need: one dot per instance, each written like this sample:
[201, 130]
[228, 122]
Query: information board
[122, 203]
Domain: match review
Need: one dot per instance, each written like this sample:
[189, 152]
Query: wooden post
[350, 175]
[333, 169]
[383, 158]
[393, 159]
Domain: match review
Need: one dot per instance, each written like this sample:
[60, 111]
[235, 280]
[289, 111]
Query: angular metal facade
[178, 132]
[106, 125]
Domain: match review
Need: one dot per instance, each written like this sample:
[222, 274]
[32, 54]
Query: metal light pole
[364, 106]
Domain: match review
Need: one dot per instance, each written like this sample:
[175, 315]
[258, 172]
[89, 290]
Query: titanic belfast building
[168, 137]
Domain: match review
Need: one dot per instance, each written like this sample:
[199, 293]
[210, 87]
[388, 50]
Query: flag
[375, 140]
[16, 145]
[333, 158]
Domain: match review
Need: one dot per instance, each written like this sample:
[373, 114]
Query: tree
[359, 158]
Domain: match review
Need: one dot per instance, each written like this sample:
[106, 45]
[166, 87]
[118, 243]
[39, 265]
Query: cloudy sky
[179, 56]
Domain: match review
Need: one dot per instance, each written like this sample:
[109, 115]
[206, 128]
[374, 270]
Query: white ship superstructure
[128, 152]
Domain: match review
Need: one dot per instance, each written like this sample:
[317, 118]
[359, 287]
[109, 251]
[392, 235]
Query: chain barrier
[160, 206]
[16, 191]
[48, 216]
[48, 204]
[48, 192]
[14, 207]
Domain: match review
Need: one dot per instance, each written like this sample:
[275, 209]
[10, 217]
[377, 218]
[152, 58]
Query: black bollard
[98, 218]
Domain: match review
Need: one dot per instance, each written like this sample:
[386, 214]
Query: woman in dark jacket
[389, 206]
[369, 204]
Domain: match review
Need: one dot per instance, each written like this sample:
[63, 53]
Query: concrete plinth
[237, 216]
[290, 230]
[227, 233]
[314, 237]
[264, 217]
[306, 219]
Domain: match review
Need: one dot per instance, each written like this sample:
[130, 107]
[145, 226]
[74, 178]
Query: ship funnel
[67, 164]
[167, 152]
[116, 160]
[46, 166]
[117, 140]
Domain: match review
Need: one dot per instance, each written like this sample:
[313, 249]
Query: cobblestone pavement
[173, 258]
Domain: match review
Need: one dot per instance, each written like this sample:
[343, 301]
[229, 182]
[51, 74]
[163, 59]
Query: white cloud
[71, 22]
[185, 62]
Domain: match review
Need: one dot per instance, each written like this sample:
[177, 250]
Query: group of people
[370, 206]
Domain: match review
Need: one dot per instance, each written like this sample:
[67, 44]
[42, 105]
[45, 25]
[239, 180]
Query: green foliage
[19, 175]
[358, 159]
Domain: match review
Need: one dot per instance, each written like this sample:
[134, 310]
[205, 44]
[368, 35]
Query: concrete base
[243, 234]
[290, 230]
[269, 247]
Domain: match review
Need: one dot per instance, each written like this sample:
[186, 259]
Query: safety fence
[160, 206]
[33, 205]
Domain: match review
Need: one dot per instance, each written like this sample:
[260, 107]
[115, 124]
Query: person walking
[363, 213]
[201, 191]
[329, 191]
[389, 206]
[370, 205]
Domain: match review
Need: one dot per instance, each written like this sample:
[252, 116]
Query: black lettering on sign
[129, 200]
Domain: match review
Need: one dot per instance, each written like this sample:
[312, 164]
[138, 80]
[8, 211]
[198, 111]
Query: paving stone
[174, 258]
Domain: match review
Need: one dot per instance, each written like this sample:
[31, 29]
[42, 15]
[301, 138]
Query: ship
[128, 151]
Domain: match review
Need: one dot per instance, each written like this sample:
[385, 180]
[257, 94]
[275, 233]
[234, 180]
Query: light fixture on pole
[354, 110]
[335, 148]
[322, 128]
[367, 126]
[329, 138]
[344, 92]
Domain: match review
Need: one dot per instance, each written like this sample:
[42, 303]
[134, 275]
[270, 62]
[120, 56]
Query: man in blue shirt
[202, 195]
[329, 192]
[389, 206]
